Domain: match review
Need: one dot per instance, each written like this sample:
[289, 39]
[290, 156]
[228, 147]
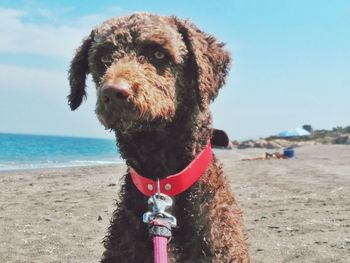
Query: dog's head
[146, 67]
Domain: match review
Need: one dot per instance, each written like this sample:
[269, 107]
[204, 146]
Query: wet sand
[295, 210]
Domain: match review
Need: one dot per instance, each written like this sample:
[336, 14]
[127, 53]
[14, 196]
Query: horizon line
[55, 135]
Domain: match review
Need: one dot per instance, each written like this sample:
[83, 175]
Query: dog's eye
[106, 60]
[159, 55]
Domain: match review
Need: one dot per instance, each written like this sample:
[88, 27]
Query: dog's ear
[78, 71]
[207, 58]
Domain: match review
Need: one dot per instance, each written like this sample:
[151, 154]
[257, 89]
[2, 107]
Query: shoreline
[92, 164]
[294, 210]
[95, 165]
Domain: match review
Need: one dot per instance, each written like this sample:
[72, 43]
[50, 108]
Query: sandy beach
[295, 210]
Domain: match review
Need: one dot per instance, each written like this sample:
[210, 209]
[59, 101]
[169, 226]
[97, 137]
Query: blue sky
[291, 62]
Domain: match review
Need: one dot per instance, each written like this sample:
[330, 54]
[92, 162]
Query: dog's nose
[116, 91]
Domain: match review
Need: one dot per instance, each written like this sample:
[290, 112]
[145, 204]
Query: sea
[20, 151]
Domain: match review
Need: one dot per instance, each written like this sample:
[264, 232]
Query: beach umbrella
[293, 133]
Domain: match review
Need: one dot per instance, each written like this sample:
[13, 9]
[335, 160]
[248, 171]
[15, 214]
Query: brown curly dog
[155, 78]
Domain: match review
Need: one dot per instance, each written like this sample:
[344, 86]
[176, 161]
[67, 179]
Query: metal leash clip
[159, 220]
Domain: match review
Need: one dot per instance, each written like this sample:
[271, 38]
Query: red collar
[177, 183]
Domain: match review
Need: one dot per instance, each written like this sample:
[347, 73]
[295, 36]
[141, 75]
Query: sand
[295, 210]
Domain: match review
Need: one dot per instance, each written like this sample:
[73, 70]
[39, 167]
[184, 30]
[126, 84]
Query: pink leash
[160, 222]
[160, 249]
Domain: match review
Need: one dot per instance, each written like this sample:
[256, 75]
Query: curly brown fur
[173, 71]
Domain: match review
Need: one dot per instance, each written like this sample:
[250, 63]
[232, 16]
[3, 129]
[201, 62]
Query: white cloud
[23, 78]
[34, 101]
[51, 40]
[50, 33]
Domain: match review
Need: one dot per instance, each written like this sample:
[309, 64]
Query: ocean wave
[20, 151]
[10, 166]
